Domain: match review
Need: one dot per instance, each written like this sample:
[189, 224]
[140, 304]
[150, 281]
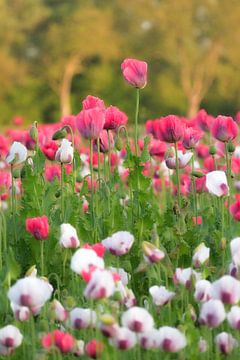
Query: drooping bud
[197, 174]
[60, 134]
[118, 143]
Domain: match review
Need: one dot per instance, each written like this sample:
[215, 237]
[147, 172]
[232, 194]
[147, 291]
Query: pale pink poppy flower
[149, 339]
[201, 255]
[64, 153]
[101, 285]
[17, 153]
[171, 339]
[82, 318]
[119, 243]
[160, 295]
[137, 319]
[60, 313]
[31, 292]
[202, 290]
[21, 313]
[216, 183]
[124, 339]
[212, 313]
[68, 236]
[233, 317]
[84, 259]
[185, 276]
[10, 337]
[225, 342]
[226, 289]
[235, 250]
[183, 159]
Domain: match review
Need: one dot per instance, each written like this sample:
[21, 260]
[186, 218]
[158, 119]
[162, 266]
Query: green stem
[62, 194]
[104, 167]
[42, 256]
[64, 263]
[91, 173]
[136, 121]
[222, 223]
[227, 164]
[228, 180]
[13, 206]
[109, 153]
[178, 177]
[194, 190]
[99, 165]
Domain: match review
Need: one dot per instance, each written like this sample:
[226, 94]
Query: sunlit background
[55, 52]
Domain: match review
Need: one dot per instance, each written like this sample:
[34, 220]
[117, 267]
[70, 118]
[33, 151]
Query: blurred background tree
[55, 52]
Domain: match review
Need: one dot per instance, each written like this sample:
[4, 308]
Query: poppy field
[120, 240]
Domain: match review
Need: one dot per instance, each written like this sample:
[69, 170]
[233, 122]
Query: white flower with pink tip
[31, 292]
[212, 313]
[225, 342]
[201, 255]
[235, 250]
[137, 319]
[68, 236]
[149, 339]
[160, 295]
[124, 339]
[216, 183]
[10, 338]
[85, 259]
[233, 317]
[226, 289]
[202, 290]
[17, 153]
[100, 286]
[171, 339]
[119, 243]
[82, 318]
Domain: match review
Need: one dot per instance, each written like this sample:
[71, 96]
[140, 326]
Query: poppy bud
[33, 132]
[212, 150]
[60, 134]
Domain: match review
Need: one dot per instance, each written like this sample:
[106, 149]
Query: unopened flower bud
[60, 134]
[118, 143]
[33, 132]
[223, 244]
[212, 150]
[197, 174]
[230, 147]
[32, 271]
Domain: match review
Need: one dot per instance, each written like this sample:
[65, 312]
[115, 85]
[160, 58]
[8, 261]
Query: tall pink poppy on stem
[135, 72]
[114, 118]
[191, 137]
[38, 227]
[90, 122]
[224, 128]
[169, 129]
